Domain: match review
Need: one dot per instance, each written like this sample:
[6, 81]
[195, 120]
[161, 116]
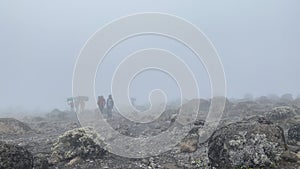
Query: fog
[257, 41]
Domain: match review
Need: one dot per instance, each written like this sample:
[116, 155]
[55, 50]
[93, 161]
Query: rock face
[76, 143]
[14, 157]
[252, 143]
[281, 113]
[294, 135]
[13, 126]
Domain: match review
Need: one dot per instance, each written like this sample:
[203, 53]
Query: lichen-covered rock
[294, 135]
[14, 157]
[281, 113]
[13, 126]
[79, 142]
[251, 143]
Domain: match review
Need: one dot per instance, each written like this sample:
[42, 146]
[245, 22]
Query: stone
[13, 127]
[14, 157]
[40, 162]
[294, 135]
[80, 142]
[289, 157]
[75, 161]
[189, 144]
[246, 144]
[281, 113]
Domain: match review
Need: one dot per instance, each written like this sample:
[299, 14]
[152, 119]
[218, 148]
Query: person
[110, 106]
[76, 103]
[71, 104]
[101, 103]
[82, 105]
[133, 101]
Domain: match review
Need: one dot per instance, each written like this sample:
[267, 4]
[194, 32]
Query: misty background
[257, 41]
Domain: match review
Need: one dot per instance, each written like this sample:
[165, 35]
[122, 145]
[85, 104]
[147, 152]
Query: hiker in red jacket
[101, 103]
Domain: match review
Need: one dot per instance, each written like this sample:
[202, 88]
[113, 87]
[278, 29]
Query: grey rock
[14, 157]
[289, 156]
[281, 113]
[79, 142]
[13, 126]
[190, 143]
[40, 162]
[75, 161]
[246, 144]
[294, 135]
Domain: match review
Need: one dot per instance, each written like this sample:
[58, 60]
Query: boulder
[190, 143]
[13, 127]
[296, 102]
[281, 113]
[251, 143]
[80, 142]
[59, 115]
[289, 156]
[14, 157]
[294, 135]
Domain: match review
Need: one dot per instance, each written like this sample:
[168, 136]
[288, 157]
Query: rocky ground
[260, 133]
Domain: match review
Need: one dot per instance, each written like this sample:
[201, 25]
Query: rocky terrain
[260, 133]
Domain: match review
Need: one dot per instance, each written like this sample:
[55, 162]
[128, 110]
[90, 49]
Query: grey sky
[258, 43]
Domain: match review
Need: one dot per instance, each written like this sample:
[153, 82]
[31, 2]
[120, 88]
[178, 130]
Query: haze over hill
[257, 43]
